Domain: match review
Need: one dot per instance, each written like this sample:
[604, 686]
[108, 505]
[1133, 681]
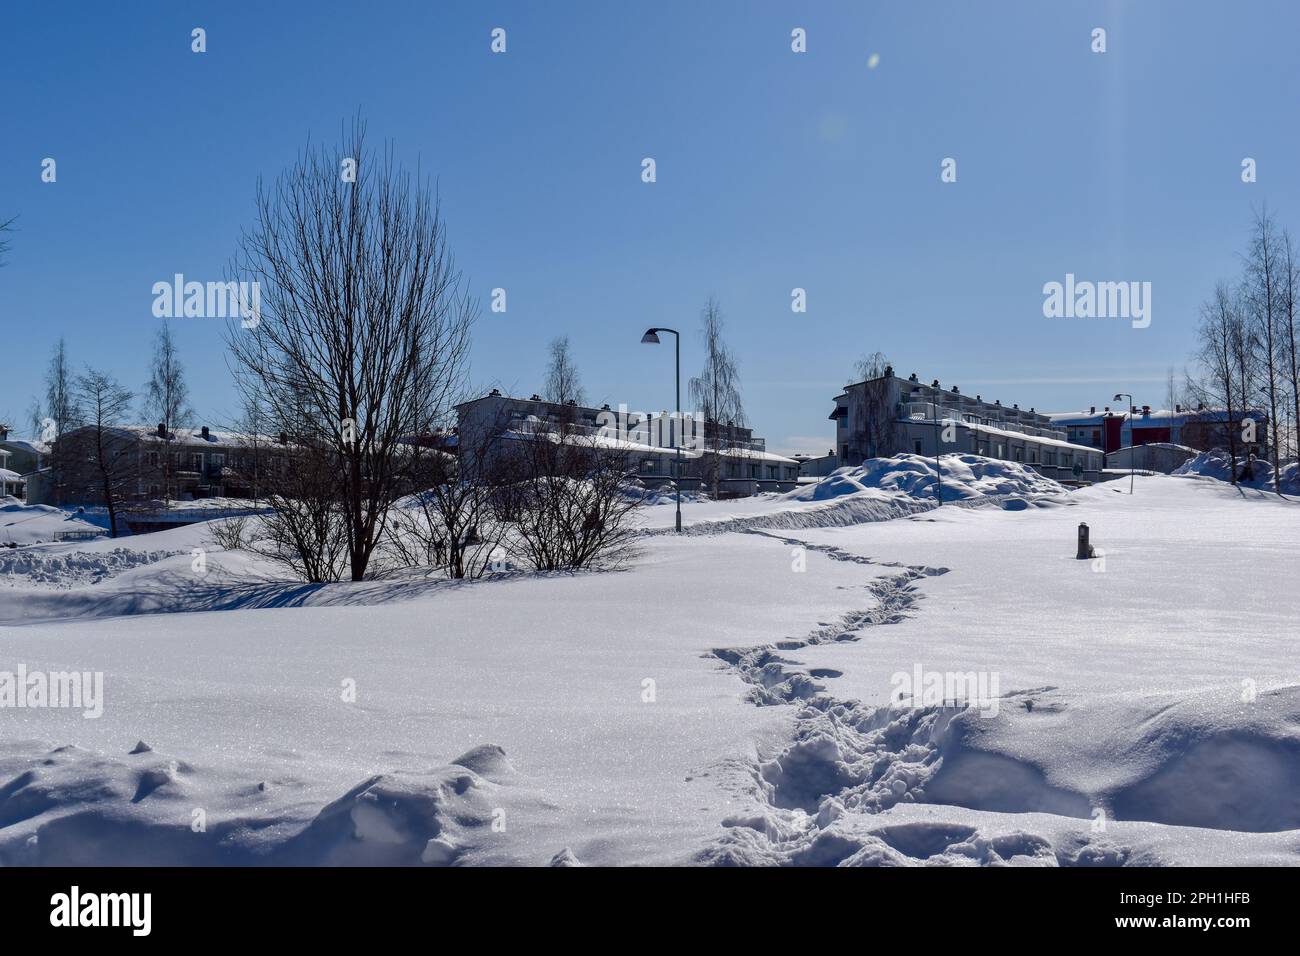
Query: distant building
[887, 415]
[1200, 428]
[648, 440]
[183, 464]
[817, 466]
[22, 459]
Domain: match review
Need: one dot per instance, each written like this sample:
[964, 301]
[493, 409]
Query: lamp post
[651, 337]
[1129, 415]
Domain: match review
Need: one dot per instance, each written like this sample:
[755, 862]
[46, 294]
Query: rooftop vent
[535, 397]
[954, 388]
[913, 378]
[935, 383]
[495, 393]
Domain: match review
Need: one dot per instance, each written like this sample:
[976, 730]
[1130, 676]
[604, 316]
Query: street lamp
[651, 337]
[1127, 414]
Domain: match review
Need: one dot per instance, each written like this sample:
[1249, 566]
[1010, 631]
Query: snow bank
[67, 570]
[1215, 464]
[911, 476]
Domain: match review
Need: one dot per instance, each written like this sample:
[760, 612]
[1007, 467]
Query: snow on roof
[7, 475]
[28, 444]
[1054, 442]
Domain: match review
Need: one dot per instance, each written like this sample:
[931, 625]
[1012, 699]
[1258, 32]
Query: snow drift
[1215, 464]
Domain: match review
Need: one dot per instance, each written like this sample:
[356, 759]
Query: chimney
[954, 389]
[978, 398]
[204, 432]
[1107, 409]
[1092, 409]
[1178, 409]
[889, 371]
[162, 430]
[1146, 411]
[284, 438]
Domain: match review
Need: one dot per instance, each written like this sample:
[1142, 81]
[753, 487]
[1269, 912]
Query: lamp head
[651, 337]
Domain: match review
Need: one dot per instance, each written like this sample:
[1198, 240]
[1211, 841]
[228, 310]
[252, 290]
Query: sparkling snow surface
[1146, 710]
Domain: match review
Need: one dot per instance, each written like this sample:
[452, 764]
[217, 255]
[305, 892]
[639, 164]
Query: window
[196, 461]
[152, 459]
[648, 466]
[772, 472]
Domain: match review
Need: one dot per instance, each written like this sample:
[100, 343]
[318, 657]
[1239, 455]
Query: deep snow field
[731, 696]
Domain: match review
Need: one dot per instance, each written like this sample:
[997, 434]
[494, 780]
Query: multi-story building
[153, 463]
[650, 441]
[1200, 428]
[887, 415]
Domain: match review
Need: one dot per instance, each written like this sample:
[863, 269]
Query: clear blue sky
[775, 170]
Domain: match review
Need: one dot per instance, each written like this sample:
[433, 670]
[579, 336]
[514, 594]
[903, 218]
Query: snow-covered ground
[739, 693]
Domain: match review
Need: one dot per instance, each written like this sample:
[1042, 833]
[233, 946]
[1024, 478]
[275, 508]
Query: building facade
[1200, 428]
[153, 463]
[888, 415]
[729, 453]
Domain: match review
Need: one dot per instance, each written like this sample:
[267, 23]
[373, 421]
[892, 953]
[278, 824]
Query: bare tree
[1290, 291]
[167, 402]
[452, 524]
[1216, 386]
[6, 228]
[110, 455]
[303, 530]
[562, 381]
[60, 414]
[1264, 269]
[871, 417]
[567, 500]
[364, 325]
[715, 394]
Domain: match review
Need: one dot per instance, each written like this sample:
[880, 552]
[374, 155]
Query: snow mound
[962, 477]
[23, 524]
[24, 566]
[74, 807]
[1216, 464]
[406, 819]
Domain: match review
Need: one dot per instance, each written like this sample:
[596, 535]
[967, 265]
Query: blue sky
[775, 170]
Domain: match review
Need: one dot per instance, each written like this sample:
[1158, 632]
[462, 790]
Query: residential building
[1200, 428]
[650, 441]
[183, 464]
[885, 416]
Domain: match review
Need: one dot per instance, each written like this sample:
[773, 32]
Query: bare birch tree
[1264, 269]
[563, 384]
[100, 445]
[1216, 385]
[167, 401]
[872, 418]
[364, 324]
[716, 396]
